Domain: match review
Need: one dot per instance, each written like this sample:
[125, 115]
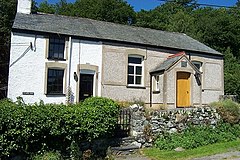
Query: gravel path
[223, 156]
[132, 157]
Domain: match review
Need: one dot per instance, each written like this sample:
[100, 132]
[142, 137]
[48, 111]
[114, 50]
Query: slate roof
[166, 64]
[83, 27]
[169, 62]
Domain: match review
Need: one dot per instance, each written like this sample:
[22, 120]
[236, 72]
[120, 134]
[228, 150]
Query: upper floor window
[198, 64]
[135, 71]
[56, 48]
[55, 81]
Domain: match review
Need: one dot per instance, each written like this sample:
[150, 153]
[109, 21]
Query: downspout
[70, 61]
[150, 90]
[78, 72]
[69, 91]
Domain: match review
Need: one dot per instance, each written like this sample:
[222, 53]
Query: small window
[55, 81]
[135, 71]
[183, 63]
[156, 87]
[56, 48]
[198, 65]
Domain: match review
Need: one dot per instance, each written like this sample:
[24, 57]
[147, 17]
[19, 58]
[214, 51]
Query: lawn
[212, 149]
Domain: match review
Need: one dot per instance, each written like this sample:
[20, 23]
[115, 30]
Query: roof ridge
[101, 21]
[89, 28]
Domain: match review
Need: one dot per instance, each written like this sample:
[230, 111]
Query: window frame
[134, 74]
[58, 78]
[194, 62]
[57, 66]
[64, 44]
[156, 83]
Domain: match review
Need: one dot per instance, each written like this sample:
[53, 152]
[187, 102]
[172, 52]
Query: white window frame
[135, 65]
[156, 84]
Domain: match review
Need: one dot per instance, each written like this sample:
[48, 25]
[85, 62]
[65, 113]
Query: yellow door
[183, 89]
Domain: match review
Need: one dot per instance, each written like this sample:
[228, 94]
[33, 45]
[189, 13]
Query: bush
[197, 136]
[28, 129]
[48, 156]
[228, 110]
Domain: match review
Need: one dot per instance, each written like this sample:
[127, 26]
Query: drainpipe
[70, 60]
[69, 91]
[150, 90]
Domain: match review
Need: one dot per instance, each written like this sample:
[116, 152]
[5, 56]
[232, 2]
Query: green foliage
[7, 14]
[212, 149]
[228, 110]
[99, 116]
[45, 7]
[75, 152]
[42, 127]
[197, 136]
[231, 74]
[117, 11]
[48, 156]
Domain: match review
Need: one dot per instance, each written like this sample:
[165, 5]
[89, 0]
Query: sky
[151, 4]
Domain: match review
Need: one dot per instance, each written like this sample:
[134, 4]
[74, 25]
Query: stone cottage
[61, 59]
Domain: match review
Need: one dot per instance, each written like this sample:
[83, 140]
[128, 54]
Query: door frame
[88, 73]
[187, 98]
[87, 69]
[190, 71]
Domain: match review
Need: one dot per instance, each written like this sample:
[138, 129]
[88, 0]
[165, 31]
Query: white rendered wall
[75, 60]
[91, 53]
[27, 71]
[85, 52]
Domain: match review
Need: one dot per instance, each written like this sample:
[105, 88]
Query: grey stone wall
[148, 124]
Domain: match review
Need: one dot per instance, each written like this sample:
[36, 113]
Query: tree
[238, 3]
[117, 11]
[7, 14]
[231, 74]
[45, 7]
[164, 16]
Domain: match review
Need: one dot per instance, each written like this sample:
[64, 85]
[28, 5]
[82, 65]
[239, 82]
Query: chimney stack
[24, 6]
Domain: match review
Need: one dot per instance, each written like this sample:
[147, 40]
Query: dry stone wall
[145, 124]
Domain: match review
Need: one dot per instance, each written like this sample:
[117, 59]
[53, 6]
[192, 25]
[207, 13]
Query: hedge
[29, 129]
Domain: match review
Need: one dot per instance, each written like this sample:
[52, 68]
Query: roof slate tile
[89, 28]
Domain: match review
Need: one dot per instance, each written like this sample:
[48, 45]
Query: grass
[212, 149]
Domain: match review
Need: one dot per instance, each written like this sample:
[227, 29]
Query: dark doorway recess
[86, 86]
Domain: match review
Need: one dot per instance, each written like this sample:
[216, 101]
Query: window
[183, 63]
[135, 71]
[156, 83]
[55, 81]
[56, 48]
[198, 64]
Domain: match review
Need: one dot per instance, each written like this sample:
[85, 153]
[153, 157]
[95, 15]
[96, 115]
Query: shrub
[196, 136]
[28, 129]
[228, 110]
[48, 156]
[100, 117]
